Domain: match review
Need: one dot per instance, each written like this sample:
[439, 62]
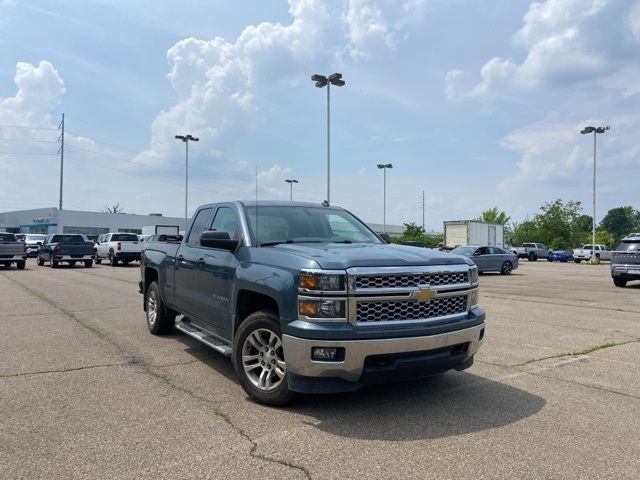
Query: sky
[478, 103]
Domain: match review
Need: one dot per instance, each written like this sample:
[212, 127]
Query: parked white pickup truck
[584, 253]
[118, 247]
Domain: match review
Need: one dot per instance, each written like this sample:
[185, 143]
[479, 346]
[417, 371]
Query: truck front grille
[385, 311]
[410, 280]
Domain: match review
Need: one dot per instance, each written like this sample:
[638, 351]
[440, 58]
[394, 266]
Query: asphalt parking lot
[87, 392]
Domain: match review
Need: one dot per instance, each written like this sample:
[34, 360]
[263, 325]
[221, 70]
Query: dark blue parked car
[559, 256]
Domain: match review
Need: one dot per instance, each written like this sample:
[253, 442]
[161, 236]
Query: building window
[137, 231]
[94, 231]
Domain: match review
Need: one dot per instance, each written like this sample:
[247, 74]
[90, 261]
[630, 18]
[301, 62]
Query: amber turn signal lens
[308, 281]
[307, 308]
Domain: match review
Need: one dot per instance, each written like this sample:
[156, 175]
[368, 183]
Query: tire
[88, 263]
[40, 262]
[549, 259]
[125, 262]
[253, 341]
[6, 264]
[72, 263]
[619, 282]
[21, 265]
[52, 262]
[113, 261]
[532, 257]
[160, 320]
[577, 260]
[507, 268]
[98, 259]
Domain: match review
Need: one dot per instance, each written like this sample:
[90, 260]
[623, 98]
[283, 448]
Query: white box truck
[161, 229]
[465, 232]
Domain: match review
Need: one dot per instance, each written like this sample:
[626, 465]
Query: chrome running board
[217, 344]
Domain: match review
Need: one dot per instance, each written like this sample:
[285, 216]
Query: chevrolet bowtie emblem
[423, 295]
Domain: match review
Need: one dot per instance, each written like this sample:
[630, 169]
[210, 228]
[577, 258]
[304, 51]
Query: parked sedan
[559, 256]
[489, 258]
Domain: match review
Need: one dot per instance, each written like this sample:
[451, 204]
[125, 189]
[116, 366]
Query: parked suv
[602, 253]
[625, 261]
[118, 247]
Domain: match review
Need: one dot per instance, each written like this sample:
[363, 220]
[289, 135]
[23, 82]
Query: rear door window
[200, 224]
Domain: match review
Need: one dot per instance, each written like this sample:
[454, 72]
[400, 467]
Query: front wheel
[258, 359]
[506, 269]
[619, 282]
[160, 320]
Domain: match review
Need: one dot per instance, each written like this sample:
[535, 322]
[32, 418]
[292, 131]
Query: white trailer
[161, 229]
[465, 232]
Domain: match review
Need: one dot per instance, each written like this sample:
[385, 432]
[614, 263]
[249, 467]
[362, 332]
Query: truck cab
[306, 298]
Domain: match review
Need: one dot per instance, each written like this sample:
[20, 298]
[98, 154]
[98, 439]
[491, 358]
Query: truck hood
[335, 256]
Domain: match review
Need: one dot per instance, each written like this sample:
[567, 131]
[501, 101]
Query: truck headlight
[475, 298]
[322, 281]
[322, 309]
[473, 275]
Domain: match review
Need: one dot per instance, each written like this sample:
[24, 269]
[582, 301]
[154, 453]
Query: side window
[482, 251]
[200, 224]
[496, 251]
[226, 221]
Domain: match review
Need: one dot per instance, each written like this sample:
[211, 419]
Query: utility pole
[186, 139]
[423, 207]
[327, 81]
[61, 152]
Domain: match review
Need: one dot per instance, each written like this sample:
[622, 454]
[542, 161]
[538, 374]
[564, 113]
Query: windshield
[35, 237]
[296, 224]
[67, 239]
[124, 237]
[629, 246]
[463, 250]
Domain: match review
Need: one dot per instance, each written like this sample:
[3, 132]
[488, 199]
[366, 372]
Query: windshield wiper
[270, 244]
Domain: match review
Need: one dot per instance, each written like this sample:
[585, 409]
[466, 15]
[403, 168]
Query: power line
[27, 140]
[27, 153]
[26, 127]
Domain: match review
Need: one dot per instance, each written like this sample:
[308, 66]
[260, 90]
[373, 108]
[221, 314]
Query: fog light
[327, 354]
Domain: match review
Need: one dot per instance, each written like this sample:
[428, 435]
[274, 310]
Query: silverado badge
[423, 295]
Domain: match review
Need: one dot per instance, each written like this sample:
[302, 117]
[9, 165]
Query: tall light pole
[384, 167]
[186, 139]
[595, 131]
[322, 81]
[291, 181]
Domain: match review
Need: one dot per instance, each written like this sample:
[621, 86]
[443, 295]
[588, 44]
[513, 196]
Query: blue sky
[479, 103]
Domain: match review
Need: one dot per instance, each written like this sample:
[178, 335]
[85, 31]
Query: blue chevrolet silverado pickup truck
[306, 298]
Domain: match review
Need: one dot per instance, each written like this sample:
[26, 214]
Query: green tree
[621, 221]
[556, 223]
[583, 223]
[415, 233]
[412, 231]
[493, 215]
[526, 231]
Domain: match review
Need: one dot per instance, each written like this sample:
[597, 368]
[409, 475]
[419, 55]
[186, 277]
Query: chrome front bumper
[297, 351]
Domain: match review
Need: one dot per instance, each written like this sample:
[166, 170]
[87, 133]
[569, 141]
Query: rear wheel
[619, 282]
[113, 261]
[21, 265]
[577, 260]
[98, 259]
[40, 261]
[125, 262]
[160, 320]
[258, 359]
[532, 257]
[549, 259]
[88, 263]
[72, 263]
[506, 269]
[52, 262]
[6, 264]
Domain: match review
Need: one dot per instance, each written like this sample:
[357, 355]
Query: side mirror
[477, 252]
[385, 237]
[219, 240]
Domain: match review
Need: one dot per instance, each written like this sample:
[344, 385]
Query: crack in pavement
[149, 369]
[66, 370]
[594, 307]
[585, 351]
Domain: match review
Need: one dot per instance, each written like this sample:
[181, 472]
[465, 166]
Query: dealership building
[52, 220]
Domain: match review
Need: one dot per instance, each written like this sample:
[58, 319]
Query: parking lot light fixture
[291, 181]
[320, 82]
[384, 167]
[595, 131]
[186, 139]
